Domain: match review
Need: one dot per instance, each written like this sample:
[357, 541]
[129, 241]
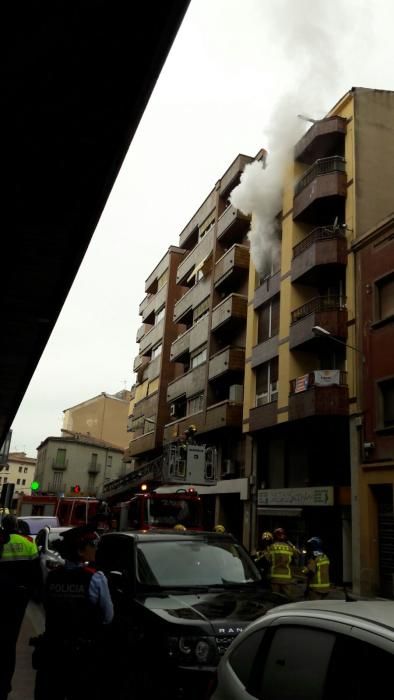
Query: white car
[32, 524]
[49, 542]
[312, 651]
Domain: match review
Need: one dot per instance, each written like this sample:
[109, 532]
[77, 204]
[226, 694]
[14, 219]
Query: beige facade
[103, 417]
[20, 471]
[64, 462]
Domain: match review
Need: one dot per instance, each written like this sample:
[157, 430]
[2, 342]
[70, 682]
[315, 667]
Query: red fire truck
[147, 511]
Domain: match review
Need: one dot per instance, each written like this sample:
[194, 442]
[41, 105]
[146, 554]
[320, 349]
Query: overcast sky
[237, 69]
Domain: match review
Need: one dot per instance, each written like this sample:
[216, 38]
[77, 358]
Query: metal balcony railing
[59, 465]
[318, 378]
[332, 302]
[321, 233]
[321, 167]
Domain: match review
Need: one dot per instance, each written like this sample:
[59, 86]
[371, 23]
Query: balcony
[189, 384]
[140, 445]
[153, 336]
[94, 468]
[156, 301]
[144, 303]
[139, 361]
[146, 407]
[324, 246]
[232, 265]
[269, 288]
[228, 360]
[321, 190]
[325, 137]
[191, 299]
[59, 466]
[199, 253]
[189, 340]
[144, 328]
[328, 312]
[231, 311]
[319, 393]
[161, 267]
[265, 351]
[232, 226]
[225, 414]
[263, 416]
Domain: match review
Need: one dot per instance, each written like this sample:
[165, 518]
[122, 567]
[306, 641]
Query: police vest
[281, 555]
[321, 576]
[70, 615]
[18, 563]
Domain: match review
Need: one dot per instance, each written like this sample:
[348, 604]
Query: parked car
[32, 524]
[312, 651]
[49, 542]
[180, 599]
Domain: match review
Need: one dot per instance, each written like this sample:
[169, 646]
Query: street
[23, 681]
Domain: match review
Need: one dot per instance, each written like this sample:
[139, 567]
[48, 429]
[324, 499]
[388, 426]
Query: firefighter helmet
[279, 534]
[179, 527]
[267, 536]
[315, 543]
[220, 529]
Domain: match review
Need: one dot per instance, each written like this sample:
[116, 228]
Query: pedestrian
[281, 555]
[78, 610]
[262, 556]
[19, 578]
[317, 570]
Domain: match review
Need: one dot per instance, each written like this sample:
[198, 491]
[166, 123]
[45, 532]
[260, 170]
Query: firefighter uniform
[317, 570]
[19, 576]
[78, 606]
[280, 556]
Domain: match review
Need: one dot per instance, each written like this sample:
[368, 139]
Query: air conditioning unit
[172, 410]
[236, 393]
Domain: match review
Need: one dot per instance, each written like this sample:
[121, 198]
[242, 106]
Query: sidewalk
[24, 676]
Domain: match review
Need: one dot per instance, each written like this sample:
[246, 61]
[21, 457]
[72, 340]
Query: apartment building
[198, 378]
[319, 416]
[19, 470]
[103, 417]
[77, 460]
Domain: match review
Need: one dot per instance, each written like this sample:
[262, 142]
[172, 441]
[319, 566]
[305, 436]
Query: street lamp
[319, 331]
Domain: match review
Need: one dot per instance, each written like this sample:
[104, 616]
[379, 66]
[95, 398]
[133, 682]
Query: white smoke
[309, 35]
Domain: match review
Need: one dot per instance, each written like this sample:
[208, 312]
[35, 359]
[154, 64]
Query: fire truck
[71, 510]
[147, 511]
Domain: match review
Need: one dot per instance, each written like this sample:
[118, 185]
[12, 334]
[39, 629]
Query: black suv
[180, 599]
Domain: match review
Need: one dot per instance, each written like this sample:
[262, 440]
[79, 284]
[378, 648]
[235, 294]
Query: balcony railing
[320, 378]
[94, 468]
[234, 260]
[59, 465]
[232, 308]
[318, 305]
[321, 167]
[321, 233]
[319, 393]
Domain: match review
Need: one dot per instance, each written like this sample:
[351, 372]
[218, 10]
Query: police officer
[78, 606]
[317, 570]
[281, 554]
[19, 577]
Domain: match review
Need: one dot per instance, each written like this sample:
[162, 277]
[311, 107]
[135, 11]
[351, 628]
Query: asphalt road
[23, 681]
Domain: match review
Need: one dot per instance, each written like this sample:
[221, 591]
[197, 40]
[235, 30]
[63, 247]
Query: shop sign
[315, 496]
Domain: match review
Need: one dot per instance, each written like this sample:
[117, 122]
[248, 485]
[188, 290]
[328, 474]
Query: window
[25, 470]
[268, 320]
[7, 467]
[109, 462]
[198, 359]
[385, 297]
[157, 351]
[20, 470]
[18, 481]
[5, 479]
[149, 424]
[23, 482]
[386, 403]
[242, 658]
[57, 480]
[159, 315]
[195, 404]
[93, 460]
[60, 460]
[267, 382]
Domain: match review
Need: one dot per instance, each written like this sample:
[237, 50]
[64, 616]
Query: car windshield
[166, 512]
[194, 563]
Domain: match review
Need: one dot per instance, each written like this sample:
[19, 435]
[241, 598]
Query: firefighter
[19, 578]
[262, 558]
[281, 554]
[220, 529]
[317, 570]
[78, 607]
